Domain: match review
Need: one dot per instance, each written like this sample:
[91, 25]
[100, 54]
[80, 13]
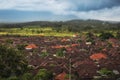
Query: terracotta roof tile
[98, 56]
[61, 76]
[31, 46]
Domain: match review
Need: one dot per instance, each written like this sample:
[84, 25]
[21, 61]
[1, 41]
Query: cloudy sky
[57, 10]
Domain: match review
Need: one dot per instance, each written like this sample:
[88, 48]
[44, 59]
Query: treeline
[71, 26]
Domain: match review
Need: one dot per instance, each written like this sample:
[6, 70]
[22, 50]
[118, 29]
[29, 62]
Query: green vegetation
[56, 31]
[13, 78]
[12, 62]
[9, 41]
[106, 35]
[43, 74]
[13, 66]
[21, 46]
[27, 76]
[33, 31]
[61, 52]
[106, 73]
[44, 53]
[67, 28]
[118, 35]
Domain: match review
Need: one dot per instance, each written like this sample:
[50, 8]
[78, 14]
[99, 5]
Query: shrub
[90, 40]
[61, 52]
[27, 76]
[106, 73]
[12, 62]
[118, 35]
[106, 35]
[43, 74]
[10, 41]
[89, 35]
[21, 46]
[13, 78]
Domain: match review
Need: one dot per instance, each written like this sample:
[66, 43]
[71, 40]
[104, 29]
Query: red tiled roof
[61, 76]
[64, 46]
[73, 45]
[31, 46]
[98, 56]
[58, 46]
[63, 40]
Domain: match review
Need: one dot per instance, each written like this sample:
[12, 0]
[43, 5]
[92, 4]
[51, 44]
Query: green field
[33, 31]
[49, 31]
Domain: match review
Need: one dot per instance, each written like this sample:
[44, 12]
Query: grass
[33, 31]
[42, 31]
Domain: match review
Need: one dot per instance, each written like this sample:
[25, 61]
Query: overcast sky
[58, 10]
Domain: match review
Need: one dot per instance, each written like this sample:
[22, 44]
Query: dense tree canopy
[12, 62]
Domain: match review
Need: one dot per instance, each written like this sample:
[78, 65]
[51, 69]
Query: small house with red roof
[61, 76]
[31, 46]
[98, 56]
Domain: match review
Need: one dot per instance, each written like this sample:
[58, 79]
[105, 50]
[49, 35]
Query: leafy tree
[43, 74]
[118, 35]
[89, 35]
[27, 76]
[106, 35]
[13, 78]
[12, 62]
[21, 46]
[9, 41]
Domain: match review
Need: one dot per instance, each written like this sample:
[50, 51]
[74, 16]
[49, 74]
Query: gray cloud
[84, 9]
[107, 14]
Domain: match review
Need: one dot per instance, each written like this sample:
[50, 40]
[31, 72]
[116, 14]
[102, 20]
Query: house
[98, 56]
[114, 42]
[31, 46]
[61, 76]
[57, 46]
[74, 45]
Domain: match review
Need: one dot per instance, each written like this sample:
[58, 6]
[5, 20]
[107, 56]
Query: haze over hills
[71, 25]
[67, 21]
[72, 20]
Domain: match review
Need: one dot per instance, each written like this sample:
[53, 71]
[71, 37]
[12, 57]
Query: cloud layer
[82, 9]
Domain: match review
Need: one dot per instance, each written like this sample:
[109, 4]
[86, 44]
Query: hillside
[79, 24]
